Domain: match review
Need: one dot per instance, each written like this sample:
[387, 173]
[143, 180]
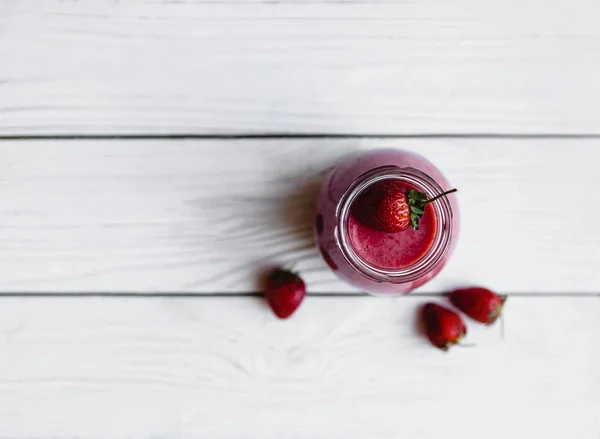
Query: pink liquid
[379, 249]
[393, 250]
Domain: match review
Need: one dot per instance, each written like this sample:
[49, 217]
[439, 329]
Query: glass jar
[346, 183]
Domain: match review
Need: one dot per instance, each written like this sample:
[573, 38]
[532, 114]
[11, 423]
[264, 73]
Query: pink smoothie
[342, 237]
[393, 250]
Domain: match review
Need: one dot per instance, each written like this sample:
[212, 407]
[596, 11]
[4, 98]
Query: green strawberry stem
[441, 195]
[417, 202]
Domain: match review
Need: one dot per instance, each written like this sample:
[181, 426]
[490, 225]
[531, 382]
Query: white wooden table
[157, 156]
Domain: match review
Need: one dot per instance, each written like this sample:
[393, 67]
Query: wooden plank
[344, 368]
[210, 216]
[416, 66]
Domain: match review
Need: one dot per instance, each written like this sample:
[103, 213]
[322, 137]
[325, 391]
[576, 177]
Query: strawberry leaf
[417, 202]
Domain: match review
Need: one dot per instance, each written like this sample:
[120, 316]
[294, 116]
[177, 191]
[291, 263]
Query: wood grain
[212, 216]
[355, 367]
[203, 67]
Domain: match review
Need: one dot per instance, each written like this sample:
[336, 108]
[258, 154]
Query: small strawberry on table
[285, 292]
[480, 304]
[444, 327]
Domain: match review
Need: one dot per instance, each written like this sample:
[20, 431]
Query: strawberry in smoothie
[392, 224]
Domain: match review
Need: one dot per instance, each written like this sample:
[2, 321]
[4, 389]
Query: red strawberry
[285, 292]
[384, 207]
[444, 327]
[392, 207]
[480, 304]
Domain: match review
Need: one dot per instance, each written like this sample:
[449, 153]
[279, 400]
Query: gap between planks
[182, 295]
[267, 136]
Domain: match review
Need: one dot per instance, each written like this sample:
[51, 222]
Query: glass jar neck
[443, 215]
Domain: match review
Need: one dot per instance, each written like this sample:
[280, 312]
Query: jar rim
[436, 252]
